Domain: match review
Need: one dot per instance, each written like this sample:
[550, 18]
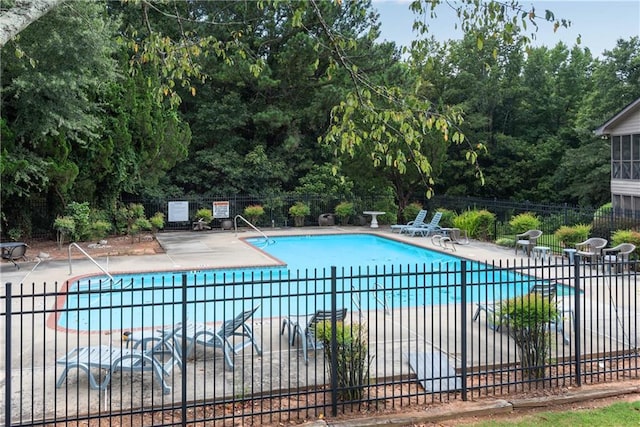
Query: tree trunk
[21, 15]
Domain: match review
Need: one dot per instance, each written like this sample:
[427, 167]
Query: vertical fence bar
[7, 355]
[577, 319]
[463, 333]
[334, 343]
[183, 352]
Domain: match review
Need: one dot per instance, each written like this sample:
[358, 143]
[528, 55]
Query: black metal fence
[431, 333]
[277, 212]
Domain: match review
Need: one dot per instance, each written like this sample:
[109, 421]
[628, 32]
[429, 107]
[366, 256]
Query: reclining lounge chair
[201, 333]
[417, 222]
[426, 229]
[113, 359]
[304, 325]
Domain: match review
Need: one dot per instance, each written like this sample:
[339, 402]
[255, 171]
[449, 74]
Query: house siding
[625, 187]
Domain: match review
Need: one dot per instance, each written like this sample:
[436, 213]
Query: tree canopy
[165, 98]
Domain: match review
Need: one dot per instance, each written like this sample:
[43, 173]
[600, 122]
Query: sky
[598, 23]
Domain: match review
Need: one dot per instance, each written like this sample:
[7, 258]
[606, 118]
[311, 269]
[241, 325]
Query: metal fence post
[577, 319]
[7, 355]
[334, 342]
[465, 309]
[183, 351]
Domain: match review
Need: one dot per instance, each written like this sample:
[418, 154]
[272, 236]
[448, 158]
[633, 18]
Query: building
[623, 130]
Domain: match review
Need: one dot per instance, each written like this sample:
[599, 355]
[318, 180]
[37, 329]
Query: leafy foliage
[523, 222]
[352, 357]
[569, 236]
[479, 224]
[528, 318]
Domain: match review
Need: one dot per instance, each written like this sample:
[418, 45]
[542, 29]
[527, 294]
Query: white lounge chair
[113, 359]
[426, 229]
[417, 222]
[304, 325]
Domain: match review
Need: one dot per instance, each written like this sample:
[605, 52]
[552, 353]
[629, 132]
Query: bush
[528, 318]
[627, 236]
[569, 236]
[157, 221]
[203, 213]
[478, 224]
[523, 222]
[448, 218]
[352, 355]
[65, 227]
[139, 225]
[411, 211]
[79, 212]
[343, 211]
[100, 229]
[253, 213]
[299, 209]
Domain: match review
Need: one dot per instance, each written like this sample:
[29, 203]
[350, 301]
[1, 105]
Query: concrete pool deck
[218, 249]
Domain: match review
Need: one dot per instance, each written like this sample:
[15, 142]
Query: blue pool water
[154, 299]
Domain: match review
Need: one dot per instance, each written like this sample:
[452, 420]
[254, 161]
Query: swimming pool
[373, 273]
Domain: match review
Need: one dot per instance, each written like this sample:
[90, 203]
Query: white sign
[221, 209]
[178, 211]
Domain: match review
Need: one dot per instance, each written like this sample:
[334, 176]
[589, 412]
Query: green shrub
[627, 236]
[298, 211]
[137, 210]
[204, 214]
[603, 211]
[448, 218]
[344, 210]
[100, 229]
[138, 226]
[569, 236]
[523, 222]
[411, 211]
[15, 234]
[157, 221]
[352, 355]
[506, 241]
[478, 224]
[253, 213]
[65, 228]
[528, 319]
[80, 213]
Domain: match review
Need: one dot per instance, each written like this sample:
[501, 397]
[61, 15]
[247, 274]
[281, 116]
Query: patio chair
[547, 290]
[527, 240]
[617, 256]
[418, 221]
[426, 229]
[304, 326]
[591, 249]
[201, 333]
[113, 359]
[14, 250]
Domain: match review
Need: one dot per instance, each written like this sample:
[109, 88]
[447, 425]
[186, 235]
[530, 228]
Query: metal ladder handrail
[235, 226]
[88, 256]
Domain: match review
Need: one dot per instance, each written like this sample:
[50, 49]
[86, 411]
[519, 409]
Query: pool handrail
[235, 226]
[73, 244]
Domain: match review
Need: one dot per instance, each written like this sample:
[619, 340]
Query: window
[625, 157]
